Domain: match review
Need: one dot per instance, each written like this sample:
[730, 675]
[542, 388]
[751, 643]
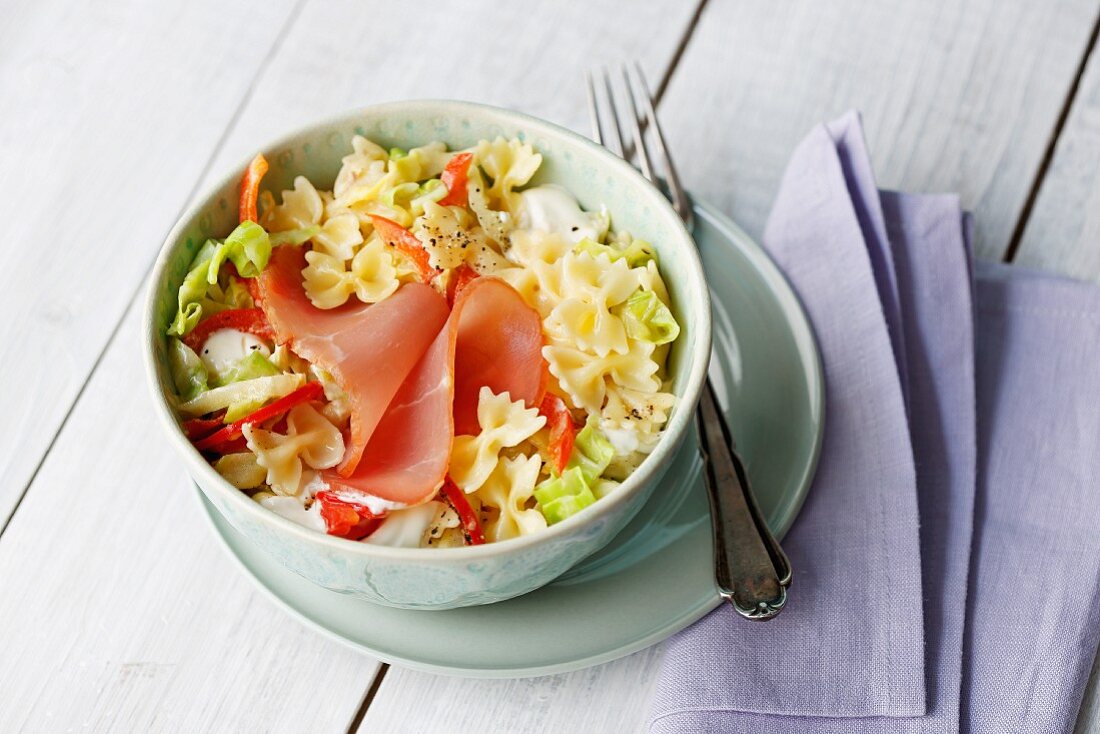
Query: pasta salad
[435, 353]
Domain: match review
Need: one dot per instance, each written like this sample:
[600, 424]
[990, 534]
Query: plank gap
[1048, 154]
[685, 39]
[260, 69]
[357, 720]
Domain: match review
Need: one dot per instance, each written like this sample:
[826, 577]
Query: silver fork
[750, 568]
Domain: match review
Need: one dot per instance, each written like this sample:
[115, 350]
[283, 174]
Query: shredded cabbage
[260, 389]
[636, 254]
[191, 291]
[647, 319]
[561, 497]
[397, 153]
[253, 366]
[294, 236]
[188, 372]
[592, 452]
[248, 247]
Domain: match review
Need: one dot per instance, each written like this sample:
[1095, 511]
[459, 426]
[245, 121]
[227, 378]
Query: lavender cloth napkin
[1029, 625]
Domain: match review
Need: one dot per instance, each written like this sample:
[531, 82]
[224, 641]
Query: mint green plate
[655, 577]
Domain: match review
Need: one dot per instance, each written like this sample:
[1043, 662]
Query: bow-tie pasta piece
[372, 277]
[365, 157]
[633, 419]
[302, 207]
[510, 164]
[590, 288]
[451, 239]
[585, 376]
[339, 236]
[503, 424]
[310, 439]
[241, 470]
[508, 491]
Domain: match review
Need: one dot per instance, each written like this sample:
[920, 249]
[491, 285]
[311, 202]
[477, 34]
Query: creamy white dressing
[291, 508]
[405, 528]
[624, 440]
[226, 347]
[376, 505]
[551, 208]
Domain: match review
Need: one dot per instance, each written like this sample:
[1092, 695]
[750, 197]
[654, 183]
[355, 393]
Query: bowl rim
[674, 432]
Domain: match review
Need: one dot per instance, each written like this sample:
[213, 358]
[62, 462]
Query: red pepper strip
[197, 428]
[307, 392]
[562, 431]
[344, 519]
[251, 320]
[250, 188]
[405, 241]
[460, 278]
[454, 178]
[470, 522]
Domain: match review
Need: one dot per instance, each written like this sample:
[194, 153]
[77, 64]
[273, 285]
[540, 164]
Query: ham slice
[491, 338]
[368, 349]
[499, 344]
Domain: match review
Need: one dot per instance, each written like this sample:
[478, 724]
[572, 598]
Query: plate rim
[763, 264]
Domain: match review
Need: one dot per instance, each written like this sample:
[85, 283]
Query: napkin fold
[1025, 605]
[1034, 610]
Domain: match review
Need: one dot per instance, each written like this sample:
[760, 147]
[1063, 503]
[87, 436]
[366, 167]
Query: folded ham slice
[491, 338]
[368, 349]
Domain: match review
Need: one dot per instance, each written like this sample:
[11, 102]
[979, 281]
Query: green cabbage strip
[234, 295]
[248, 247]
[188, 372]
[399, 195]
[592, 452]
[250, 367]
[636, 254]
[648, 319]
[258, 390]
[294, 236]
[561, 497]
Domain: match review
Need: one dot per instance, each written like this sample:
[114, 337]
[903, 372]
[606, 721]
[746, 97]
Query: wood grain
[124, 600]
[1063, 232]
[528, 56]
[111, 114]
[955, 96]
[1062, 235]
[609, 698]
[122, 613]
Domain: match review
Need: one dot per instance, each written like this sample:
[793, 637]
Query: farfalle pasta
[504, 424]
[436, 352]
[310, 440]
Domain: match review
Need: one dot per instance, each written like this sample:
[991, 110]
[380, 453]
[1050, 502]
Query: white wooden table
[118, 610]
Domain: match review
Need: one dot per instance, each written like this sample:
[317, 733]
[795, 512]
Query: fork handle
[751, 570]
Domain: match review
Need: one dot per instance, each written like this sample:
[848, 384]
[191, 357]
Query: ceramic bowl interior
[428, 578]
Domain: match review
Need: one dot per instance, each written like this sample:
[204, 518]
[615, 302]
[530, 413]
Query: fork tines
[633, 88]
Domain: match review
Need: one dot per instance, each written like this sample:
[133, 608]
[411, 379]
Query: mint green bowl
[416, 578]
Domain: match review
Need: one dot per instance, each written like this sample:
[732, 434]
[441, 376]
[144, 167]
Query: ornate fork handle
[750, 568]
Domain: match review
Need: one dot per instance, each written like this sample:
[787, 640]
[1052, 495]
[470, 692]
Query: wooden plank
[1062, 235]
[510, 69]
[148, 626]
[1063, 232]
[120, 610]
[111, 114]
[955, 96]
[528, 56]
[609, 698]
